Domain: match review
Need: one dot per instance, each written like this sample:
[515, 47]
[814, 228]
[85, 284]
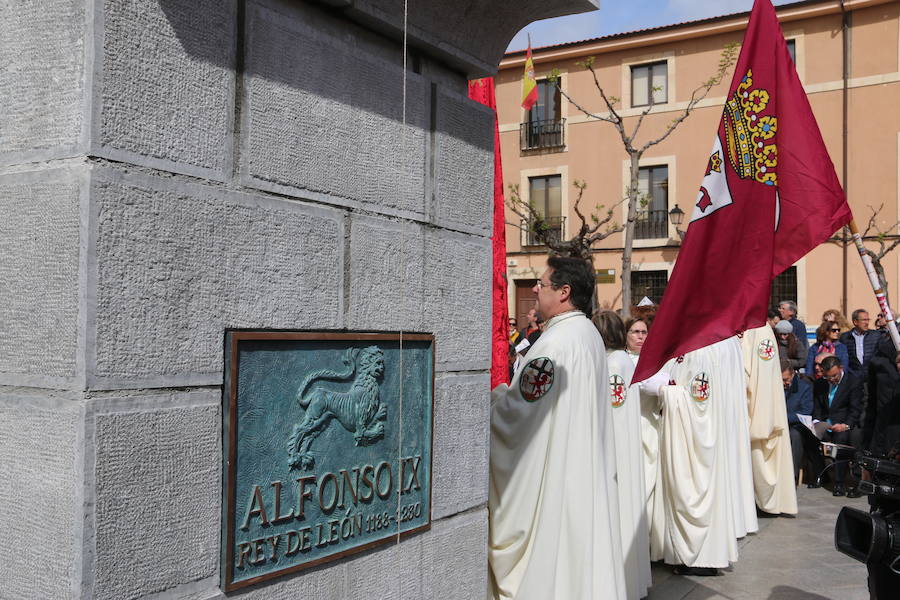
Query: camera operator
[881, 435]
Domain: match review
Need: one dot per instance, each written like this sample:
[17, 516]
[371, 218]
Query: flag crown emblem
[749, 133]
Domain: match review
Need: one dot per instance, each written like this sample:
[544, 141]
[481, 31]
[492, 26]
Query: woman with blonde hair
[836, 316]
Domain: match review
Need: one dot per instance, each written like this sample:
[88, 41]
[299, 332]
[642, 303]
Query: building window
[784, 287]
[544, 123]
[792, 50]
[648, 283]
[650, 82]
[545, 194]
[653, 209]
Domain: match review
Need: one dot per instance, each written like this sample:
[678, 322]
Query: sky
[617, 16]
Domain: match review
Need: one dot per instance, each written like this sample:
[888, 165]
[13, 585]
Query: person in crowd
[882, 419]
[837, 406]
[770, 441]
[531, 332]
[637, 328]
[817, 375]
[773, 318]
[880, 323]
[836, 316]
[788, 346]
[514, 334]
[798, 400]
[552, 501]
[788, 311]
[827, 335]
[626, 418]
[860, 342]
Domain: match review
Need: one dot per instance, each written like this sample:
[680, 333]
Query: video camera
[873, 537]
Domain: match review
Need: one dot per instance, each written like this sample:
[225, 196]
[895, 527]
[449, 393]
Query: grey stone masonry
[172, 169]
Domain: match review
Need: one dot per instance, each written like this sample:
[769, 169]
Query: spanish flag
[529, 84]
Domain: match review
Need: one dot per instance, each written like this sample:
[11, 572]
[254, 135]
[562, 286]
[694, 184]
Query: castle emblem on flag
[766, 350]
[616, 390]
[536, 379]
[700, 387]
[749, 133]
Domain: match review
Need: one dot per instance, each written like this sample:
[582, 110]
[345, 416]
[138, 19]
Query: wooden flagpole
[876, 284]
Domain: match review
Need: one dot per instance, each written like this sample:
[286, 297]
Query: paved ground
[788, 559]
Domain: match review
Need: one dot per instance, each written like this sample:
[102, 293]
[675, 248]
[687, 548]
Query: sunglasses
[835, 329]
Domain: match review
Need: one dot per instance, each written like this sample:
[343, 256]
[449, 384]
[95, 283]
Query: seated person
[798, 399]
[837, 406]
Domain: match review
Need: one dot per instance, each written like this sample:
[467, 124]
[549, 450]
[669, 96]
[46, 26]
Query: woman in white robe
[626, 418]
[651, 424]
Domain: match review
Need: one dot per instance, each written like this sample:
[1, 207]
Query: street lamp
[676, 216]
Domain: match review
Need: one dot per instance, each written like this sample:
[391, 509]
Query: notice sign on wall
[327, 444]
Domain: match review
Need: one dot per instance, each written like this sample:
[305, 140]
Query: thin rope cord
[402, 287]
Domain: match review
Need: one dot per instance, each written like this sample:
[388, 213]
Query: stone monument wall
[170, 169]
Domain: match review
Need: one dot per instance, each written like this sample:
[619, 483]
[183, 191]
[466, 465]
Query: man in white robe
[553, 506]
[770, 442]
[699, 534]
[728, 376]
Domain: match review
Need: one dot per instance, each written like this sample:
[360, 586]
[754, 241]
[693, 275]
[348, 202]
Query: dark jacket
[857, 366]
[798, 398]
[881, 430]
[840, 351]
[847, 404]
[799, 330]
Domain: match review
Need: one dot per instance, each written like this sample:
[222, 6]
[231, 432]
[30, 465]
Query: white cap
[645, 301]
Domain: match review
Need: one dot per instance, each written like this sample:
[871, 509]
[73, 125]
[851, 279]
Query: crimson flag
[769, 195]
[482, 90]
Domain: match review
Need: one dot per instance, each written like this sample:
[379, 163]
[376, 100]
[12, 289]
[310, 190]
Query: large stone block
[386, 275]
[464, 164]
[157, 494]
[395, 571]
[323, 113]
[458, 310]
[166, 94]
[176, 264]
[39, 299]
[461, 443]
[455, 558]
[41, 79]
[40, 491]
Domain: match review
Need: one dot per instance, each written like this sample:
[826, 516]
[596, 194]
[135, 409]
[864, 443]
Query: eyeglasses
[835, 329]
[637, 332]
[540, 284]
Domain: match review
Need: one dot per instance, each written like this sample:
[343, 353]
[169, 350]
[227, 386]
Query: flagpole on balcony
[876, 283]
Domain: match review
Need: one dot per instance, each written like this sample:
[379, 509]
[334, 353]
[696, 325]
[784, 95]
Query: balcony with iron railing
[549, 133]
[553, 228]
[651, 224]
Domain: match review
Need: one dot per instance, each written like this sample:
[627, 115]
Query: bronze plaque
[327, 443]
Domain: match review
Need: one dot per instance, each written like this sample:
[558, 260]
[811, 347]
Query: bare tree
[885, 241]
[593, 228]
[636, 150]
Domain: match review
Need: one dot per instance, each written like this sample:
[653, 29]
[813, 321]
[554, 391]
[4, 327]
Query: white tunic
[729, 377]
[699, 525]
[626, 417]
[651, 428]
[770, 442]
[554, 522]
